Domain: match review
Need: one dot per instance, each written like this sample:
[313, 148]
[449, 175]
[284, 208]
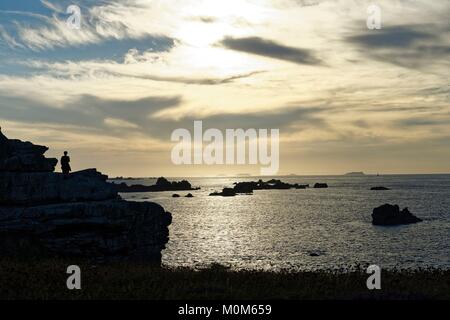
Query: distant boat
[355, 174]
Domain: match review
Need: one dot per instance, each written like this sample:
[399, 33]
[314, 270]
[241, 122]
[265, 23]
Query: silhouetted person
[65, 163]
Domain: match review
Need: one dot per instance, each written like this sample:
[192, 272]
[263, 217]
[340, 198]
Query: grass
[46, 280]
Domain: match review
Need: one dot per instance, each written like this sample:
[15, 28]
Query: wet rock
[389, 215]
[189, 195]
[379, 189]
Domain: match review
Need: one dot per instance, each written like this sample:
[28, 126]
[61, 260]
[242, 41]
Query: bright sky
[344, 97]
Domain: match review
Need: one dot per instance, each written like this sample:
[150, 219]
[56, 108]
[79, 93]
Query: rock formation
[162, 184]
[389, 215]
[249, 186]
[79, 215]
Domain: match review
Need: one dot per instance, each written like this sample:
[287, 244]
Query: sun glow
[210, 21]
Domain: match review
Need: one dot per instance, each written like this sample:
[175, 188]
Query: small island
[249, 187]
[162, 184]
[355, 174]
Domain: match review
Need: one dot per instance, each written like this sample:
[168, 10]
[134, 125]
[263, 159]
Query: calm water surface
[278, 229]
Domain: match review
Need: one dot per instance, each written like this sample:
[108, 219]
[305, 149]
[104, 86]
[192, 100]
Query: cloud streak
[271, 49]
[412, 46]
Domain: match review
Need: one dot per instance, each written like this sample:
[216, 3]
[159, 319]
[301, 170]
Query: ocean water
[279, 229]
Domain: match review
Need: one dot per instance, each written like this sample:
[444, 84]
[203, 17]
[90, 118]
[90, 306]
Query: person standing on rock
[65, 163]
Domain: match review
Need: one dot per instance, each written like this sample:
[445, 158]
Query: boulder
[389, 215]
[189, 195]
[175, 196]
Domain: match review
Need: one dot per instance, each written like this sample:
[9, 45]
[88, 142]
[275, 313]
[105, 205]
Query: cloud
[184, 80]
[271, 49]
[9, 40]
[100, 21]
[412, 46]
[52, 6]
[391, 37]
[205, 19]
[107, 116]
[121, 118]
[421, 122]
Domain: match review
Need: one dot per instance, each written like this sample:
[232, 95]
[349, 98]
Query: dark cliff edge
[44, 213]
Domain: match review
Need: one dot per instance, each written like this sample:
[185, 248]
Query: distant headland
[355, 174]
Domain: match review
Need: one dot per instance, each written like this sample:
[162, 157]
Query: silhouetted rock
[175, 195]
[104, 230]
[18, 156]
[162, 184]
[320, 186]
[388, 215]
[189, 195]
[32, 188]
[274, 184]
[74, 215]
[379, 188]
[226, 192]
[245, 187]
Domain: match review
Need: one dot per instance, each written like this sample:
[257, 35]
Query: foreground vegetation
[46, 279]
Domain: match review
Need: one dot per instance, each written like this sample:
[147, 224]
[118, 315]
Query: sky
[344, 97]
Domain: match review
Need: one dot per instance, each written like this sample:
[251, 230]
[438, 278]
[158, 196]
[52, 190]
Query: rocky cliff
[47, 213]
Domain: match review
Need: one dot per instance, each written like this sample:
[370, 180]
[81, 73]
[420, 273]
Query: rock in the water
[175, 195]
[389, 215]
[47, 213]
[320, 186]
[226, 192]
[379, 189]
[315, 253]
[189, 195]
[274, 184]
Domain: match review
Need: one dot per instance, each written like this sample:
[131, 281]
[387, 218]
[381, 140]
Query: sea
[307, 229]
